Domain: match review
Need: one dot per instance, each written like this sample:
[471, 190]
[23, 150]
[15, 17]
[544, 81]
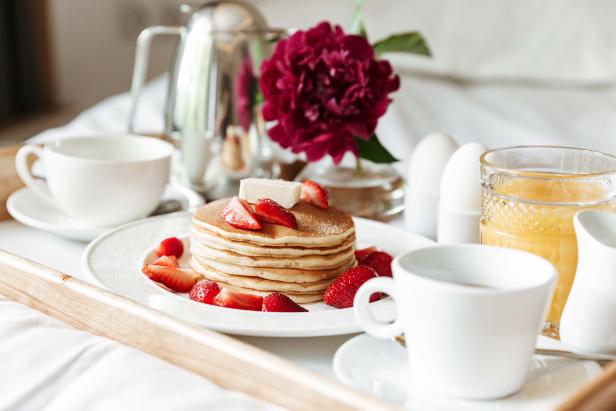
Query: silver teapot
[212, 113]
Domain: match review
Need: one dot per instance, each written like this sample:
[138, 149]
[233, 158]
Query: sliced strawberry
[241, 301]
[279, 302]
[167, 261]
[161, 285]
[380, 261]
[178, 279]
[341, 292]
[171, 246]
[270, 211]
[314, 194]
[204, 291]
[360, 255]
[239, 214]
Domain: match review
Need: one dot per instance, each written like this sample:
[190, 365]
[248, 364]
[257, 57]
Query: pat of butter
[285, 193]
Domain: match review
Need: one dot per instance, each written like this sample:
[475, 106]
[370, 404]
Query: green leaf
[256, 96]
[411, 42]
[357, 25]
[374, 151]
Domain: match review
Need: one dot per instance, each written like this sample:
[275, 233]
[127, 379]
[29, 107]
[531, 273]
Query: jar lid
[227, 16]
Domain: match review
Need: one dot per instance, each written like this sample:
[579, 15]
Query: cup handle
[21, 164]
[364, 316]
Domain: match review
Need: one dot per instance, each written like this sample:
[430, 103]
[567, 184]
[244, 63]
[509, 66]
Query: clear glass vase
[372, 190]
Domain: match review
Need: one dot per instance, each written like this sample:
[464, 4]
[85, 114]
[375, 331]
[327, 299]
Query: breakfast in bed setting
[279, 240]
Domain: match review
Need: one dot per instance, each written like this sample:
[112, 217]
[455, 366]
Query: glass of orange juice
[530, 195]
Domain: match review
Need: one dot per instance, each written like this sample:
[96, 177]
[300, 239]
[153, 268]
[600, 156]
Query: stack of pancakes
[300, 263]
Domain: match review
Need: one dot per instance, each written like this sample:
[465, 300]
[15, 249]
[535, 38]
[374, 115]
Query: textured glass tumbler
[530, 195]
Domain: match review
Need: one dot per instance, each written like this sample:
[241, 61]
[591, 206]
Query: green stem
[358, 167]
[357, 25]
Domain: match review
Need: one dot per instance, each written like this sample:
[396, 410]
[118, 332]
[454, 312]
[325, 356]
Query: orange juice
[536, 215]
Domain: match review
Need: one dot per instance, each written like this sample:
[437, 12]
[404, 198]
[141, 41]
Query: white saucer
[115, 259]
[29, 209]
[381, 367]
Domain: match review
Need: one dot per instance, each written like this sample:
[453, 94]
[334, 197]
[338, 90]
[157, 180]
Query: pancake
[316, 227]
[257, 283]
[289, 275]
[300, 263]
[304, 262]
[202, 236]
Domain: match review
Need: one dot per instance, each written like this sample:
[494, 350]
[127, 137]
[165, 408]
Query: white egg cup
[421, 212]
[456, 226]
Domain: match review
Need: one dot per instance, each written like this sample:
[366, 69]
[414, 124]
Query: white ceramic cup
[101, 181]
[471, 315]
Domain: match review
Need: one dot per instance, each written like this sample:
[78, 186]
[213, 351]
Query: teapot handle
[140, 69]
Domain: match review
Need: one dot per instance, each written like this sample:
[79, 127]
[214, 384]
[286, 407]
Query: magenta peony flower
[324, 88]
[244, 93]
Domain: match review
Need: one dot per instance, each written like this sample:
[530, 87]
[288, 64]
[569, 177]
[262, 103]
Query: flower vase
[371, 190]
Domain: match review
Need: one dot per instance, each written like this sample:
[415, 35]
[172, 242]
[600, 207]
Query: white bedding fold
[46, 366]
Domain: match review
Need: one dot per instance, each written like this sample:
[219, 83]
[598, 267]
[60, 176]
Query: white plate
[115, 259]
[381, 368]
[29, 209]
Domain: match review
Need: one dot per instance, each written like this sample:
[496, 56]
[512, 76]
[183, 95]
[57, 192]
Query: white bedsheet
[47, 366]
[44, 365]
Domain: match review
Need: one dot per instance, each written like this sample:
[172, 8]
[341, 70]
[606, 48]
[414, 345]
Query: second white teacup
[471, 315]
[101, 181]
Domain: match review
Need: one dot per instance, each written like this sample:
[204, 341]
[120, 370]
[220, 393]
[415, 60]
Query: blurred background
[541, 64]
[58, 57]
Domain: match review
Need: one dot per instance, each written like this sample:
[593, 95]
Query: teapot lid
[228, 16]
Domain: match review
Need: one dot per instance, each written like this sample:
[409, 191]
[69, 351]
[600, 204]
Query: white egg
[423, 189]
[460, 183]
[428, 161]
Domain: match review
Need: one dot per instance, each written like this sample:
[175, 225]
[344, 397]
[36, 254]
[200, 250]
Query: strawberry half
[239, 214]
[170, 246]
[167, 261]
[177, 279]
[241, 301]
[341, 292]
[360, 255]
[279, 302]
[314, 194]
[204, 291]
[380, 261]
[270, 211]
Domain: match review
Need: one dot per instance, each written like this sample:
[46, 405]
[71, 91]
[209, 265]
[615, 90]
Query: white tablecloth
[44, 365]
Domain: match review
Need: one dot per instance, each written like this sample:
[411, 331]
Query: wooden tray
[224, 360]
[214, 356]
